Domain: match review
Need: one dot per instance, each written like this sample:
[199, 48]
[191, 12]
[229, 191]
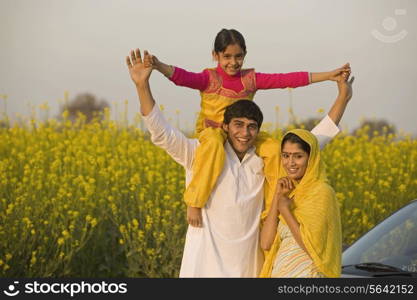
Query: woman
[302, 232]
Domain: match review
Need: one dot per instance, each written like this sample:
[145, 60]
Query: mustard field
[100, 200]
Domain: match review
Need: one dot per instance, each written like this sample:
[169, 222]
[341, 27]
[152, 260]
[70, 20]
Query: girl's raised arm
[265, 81]
[181, 77]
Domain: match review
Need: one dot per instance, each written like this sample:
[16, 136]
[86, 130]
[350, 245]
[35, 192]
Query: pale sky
[52, 46]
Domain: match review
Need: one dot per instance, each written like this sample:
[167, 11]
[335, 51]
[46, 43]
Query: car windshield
[392, 242]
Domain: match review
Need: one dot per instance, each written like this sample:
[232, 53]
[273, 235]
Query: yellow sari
[317, 211]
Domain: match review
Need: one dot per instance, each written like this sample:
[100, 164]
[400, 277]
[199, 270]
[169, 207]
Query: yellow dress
[210, 155]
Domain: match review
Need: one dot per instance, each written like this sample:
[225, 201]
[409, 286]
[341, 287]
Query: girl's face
[231, 59]
[294, 160]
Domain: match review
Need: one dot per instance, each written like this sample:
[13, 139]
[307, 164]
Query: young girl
[220, 87]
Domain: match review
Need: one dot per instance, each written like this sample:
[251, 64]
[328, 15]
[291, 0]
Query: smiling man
[241, 123]
[227, 245]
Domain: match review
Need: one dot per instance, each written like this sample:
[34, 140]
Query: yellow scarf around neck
[317, 211]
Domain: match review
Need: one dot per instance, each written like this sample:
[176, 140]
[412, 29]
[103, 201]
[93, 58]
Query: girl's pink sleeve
[198, 81]
[281, 80]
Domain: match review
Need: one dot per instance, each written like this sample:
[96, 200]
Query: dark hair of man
[243, 109]
[295, 139]
[228, 37]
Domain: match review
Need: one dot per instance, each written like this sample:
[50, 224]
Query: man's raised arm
[328, 126]
[163, 135]
[140, 76]
[344, 86]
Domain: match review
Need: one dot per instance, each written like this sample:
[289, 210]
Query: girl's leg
[207, 167]
[268, 149]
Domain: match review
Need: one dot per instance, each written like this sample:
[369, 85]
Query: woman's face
[294, 160]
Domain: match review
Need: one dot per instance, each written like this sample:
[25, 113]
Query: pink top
[264, 81]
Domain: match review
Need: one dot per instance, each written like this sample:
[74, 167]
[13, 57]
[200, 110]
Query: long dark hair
[227, 37]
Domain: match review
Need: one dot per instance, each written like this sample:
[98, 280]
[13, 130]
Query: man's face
[241, 134]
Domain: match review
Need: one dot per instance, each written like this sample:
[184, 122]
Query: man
[227, 245]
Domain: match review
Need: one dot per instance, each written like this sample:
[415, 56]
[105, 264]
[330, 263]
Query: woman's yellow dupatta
[317, 211]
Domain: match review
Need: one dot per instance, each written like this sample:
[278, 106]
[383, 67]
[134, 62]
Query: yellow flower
[93, 222]
[340, 196]
[65, 114]
[161, 236]
[33, 259]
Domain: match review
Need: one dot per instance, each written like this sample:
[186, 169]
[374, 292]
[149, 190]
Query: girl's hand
[153, 62]
[137, 69]
[335, 74]
[194, 217]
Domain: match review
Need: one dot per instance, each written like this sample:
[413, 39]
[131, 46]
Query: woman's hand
[138, 69]
[284, 188]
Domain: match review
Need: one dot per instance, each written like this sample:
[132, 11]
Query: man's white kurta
[228, 243]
